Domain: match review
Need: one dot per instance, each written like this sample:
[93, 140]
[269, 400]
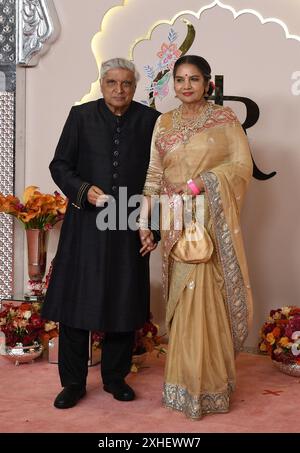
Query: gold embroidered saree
[209, 305]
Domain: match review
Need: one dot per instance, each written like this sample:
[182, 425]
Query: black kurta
[99, 280]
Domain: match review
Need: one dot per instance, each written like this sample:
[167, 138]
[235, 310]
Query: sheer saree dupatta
[225, 187]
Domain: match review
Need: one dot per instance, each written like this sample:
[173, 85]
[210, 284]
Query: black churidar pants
[73, 355]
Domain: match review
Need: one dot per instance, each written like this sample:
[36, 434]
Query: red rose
[149, 327]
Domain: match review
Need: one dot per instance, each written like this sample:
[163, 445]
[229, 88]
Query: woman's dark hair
[200, 63]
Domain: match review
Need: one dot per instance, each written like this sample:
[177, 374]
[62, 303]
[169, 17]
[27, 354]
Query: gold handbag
[194, 246]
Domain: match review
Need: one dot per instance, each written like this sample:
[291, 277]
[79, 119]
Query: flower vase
[291, 368]
[23, 354]
[37, 243]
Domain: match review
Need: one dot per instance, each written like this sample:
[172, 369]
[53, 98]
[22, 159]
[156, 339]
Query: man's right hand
[96, 196]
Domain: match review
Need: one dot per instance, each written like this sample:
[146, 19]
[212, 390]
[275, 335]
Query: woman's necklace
[188, 127]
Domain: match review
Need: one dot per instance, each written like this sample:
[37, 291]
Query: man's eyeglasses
[125, 84]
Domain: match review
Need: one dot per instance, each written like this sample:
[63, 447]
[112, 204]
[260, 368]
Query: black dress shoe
[69, 396]
[120, 390]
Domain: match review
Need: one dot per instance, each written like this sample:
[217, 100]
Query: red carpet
[265, 401]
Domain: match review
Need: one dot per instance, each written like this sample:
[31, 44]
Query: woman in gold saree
[201, 148]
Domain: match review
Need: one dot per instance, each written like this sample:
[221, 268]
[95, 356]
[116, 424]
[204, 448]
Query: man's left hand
[147, 240]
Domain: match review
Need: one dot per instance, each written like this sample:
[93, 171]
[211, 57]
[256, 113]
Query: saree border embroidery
[236, 300]
[177, 397]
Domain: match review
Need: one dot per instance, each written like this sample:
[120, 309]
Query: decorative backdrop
[254, 45]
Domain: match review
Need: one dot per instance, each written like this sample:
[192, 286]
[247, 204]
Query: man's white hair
[115, 63]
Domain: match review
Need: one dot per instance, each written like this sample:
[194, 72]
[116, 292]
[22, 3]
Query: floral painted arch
[168, 54]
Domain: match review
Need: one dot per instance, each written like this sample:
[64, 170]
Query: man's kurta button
[115, 163]
[115, 175]
[118, 130]
[116, 153]
[114, 188]
[116, 141]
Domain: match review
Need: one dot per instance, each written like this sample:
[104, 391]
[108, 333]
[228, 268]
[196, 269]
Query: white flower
[285, 311]
[296, 348]
[27, 314]
[296, 335]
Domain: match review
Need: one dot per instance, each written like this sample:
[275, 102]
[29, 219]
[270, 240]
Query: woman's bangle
[193, 187]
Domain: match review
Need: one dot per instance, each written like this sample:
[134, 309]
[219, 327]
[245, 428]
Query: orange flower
[263, 347]
[60, 203]
[28, 193]
[27, 216]
[9, 204]
[284, 341]
[38, 210]
[270, 338]
[276, 332]
[25, 306]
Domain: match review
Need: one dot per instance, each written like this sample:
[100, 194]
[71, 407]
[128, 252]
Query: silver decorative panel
[7, 127]
[27, 27]
[37, 27]
[7, 31]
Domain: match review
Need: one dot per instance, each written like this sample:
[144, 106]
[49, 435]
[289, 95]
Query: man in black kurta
[99, 280]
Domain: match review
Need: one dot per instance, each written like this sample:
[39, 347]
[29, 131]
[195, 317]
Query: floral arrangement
[97, 338]
[280, 335]
[36, 210]
[22, 323]
[148, 340]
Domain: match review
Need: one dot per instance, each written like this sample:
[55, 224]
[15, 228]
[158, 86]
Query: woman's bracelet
[143, 224]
